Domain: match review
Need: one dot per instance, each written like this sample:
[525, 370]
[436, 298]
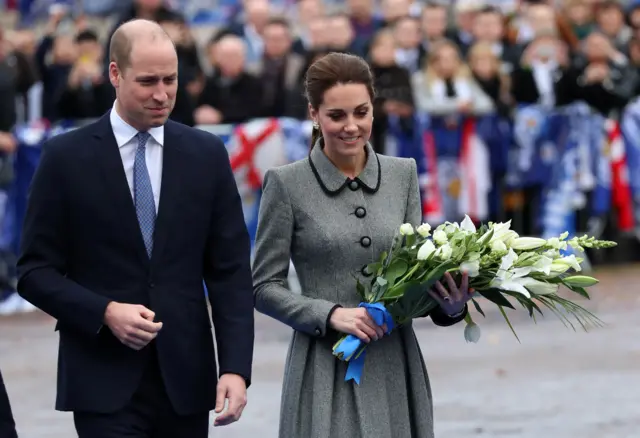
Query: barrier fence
[550, 171]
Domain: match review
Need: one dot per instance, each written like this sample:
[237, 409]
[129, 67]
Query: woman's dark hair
[333, 69]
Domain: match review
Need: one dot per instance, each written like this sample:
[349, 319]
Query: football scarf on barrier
[630, 129]
[620, 186]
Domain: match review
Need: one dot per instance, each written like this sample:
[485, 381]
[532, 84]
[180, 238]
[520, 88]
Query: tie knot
[142, 139]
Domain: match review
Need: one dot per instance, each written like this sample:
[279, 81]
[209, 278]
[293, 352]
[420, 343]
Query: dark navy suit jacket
[82, 248]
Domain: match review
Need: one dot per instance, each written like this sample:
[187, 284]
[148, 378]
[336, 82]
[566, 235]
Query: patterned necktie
[143, 193]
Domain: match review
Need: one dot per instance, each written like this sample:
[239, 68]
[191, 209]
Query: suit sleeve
[413, 216]
[271, 265]
[227, 274]
[42, 263]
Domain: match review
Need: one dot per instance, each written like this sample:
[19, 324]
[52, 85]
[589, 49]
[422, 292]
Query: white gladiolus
[440, 237]
[472, 268]
[556, 243]
[538, 287]
[526, 243]
[426, 250]
[498, 246]
[406, 229]
[467, 225]
[424, 230]
[444, 252]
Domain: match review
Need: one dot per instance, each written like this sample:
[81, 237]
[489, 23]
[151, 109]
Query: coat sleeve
[227, 274]
[42, 263]
[271, 265]
[413, 216]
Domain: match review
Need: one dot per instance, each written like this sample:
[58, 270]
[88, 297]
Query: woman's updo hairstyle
[333, 69]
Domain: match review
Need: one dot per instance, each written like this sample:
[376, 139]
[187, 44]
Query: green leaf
[397, 268]
[374, 268]
[477, 306]
[410, 240]
[506, 318]
[496, 297]
[436, 274]
[579, 290]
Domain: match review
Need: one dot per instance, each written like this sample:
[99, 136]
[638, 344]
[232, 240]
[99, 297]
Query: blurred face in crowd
[634, 18]
[257, 12]
[360, 8]
[146, 90]
[407, 33]
[394, 9]
[446, 61]
[488, 26]
[464, 20]
[345, 118]
[319, 32]
[149, 5]
[434, 22]
[90, 50]
[65, 50]
[383, 49]
[230, 57]
[340, 31]
[578, 12]
[541, 18]
[483, 62]
[610, 20]
[308, 10]
[597, 47]
[277, 40]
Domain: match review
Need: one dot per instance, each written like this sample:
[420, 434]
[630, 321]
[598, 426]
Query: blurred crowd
[466, 56]
[443, 58]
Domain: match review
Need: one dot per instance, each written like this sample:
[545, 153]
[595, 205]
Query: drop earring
[316, 125]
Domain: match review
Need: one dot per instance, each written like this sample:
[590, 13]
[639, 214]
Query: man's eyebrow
[148, 78]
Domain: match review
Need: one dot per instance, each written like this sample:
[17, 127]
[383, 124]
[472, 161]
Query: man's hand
[234, 388]
[132, 324]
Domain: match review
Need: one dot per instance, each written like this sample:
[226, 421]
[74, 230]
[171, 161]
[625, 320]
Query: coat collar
[333, 181]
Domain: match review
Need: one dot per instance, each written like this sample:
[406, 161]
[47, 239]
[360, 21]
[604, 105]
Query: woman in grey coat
[331, 214]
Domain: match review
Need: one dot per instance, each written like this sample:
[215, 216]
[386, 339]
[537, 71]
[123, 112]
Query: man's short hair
[121, 44]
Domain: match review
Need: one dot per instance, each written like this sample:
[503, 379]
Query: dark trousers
[7, 424]
[149, 414]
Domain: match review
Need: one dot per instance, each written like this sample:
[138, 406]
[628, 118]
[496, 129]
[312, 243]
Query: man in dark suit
[136, 354]
[7, 424]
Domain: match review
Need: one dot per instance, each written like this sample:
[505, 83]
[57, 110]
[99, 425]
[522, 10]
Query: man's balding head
[138, 31]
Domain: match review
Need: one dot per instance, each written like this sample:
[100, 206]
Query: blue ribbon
[352, 344]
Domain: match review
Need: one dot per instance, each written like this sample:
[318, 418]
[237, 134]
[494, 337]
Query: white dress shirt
[126, 137]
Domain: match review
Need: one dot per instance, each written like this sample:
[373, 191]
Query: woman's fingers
[464, 285]
[444, 294]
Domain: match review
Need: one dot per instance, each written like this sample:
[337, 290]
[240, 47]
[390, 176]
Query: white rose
[472, 332]
[426, 250]
[424, 230]
[472, 268]
[440, 237]
[406, 229]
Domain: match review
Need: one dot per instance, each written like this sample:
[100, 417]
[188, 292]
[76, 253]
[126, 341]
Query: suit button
[318, 332]
[361, 212]
[353, 185]
[365, 241]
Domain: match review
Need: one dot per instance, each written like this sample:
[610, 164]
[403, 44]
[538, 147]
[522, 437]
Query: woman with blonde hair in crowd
[445, 86]
[485, 69]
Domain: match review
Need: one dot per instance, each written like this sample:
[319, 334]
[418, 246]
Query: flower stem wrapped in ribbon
[503, 267]
[353, 350]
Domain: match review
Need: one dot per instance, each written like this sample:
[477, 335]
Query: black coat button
[364, 271]
[353, 185]
[365, 241]
[361, 212]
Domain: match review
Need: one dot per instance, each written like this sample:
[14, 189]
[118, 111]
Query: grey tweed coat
[330, 227]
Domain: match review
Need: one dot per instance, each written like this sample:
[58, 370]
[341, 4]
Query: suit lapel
[115, 180]
[172, 166]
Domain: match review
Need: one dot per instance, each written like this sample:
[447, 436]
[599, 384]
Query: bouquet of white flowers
[500, 265]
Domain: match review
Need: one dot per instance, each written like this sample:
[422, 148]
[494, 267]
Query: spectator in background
[580, 17]
[392, 84]
[230, 94]
[462, 33]
[446, 86]
[279, 72]
[488, 27]
[542, 76]
[342, 37]
[610, 19]
[394, 9]
[363, 19]
[434, 20]
[256, 15]
[87, 94]
[409, 50]
[485, 68]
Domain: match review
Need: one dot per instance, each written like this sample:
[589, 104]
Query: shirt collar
[123, 132]
[333, 181]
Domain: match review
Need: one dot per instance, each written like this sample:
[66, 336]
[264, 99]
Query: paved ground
[556, 384]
